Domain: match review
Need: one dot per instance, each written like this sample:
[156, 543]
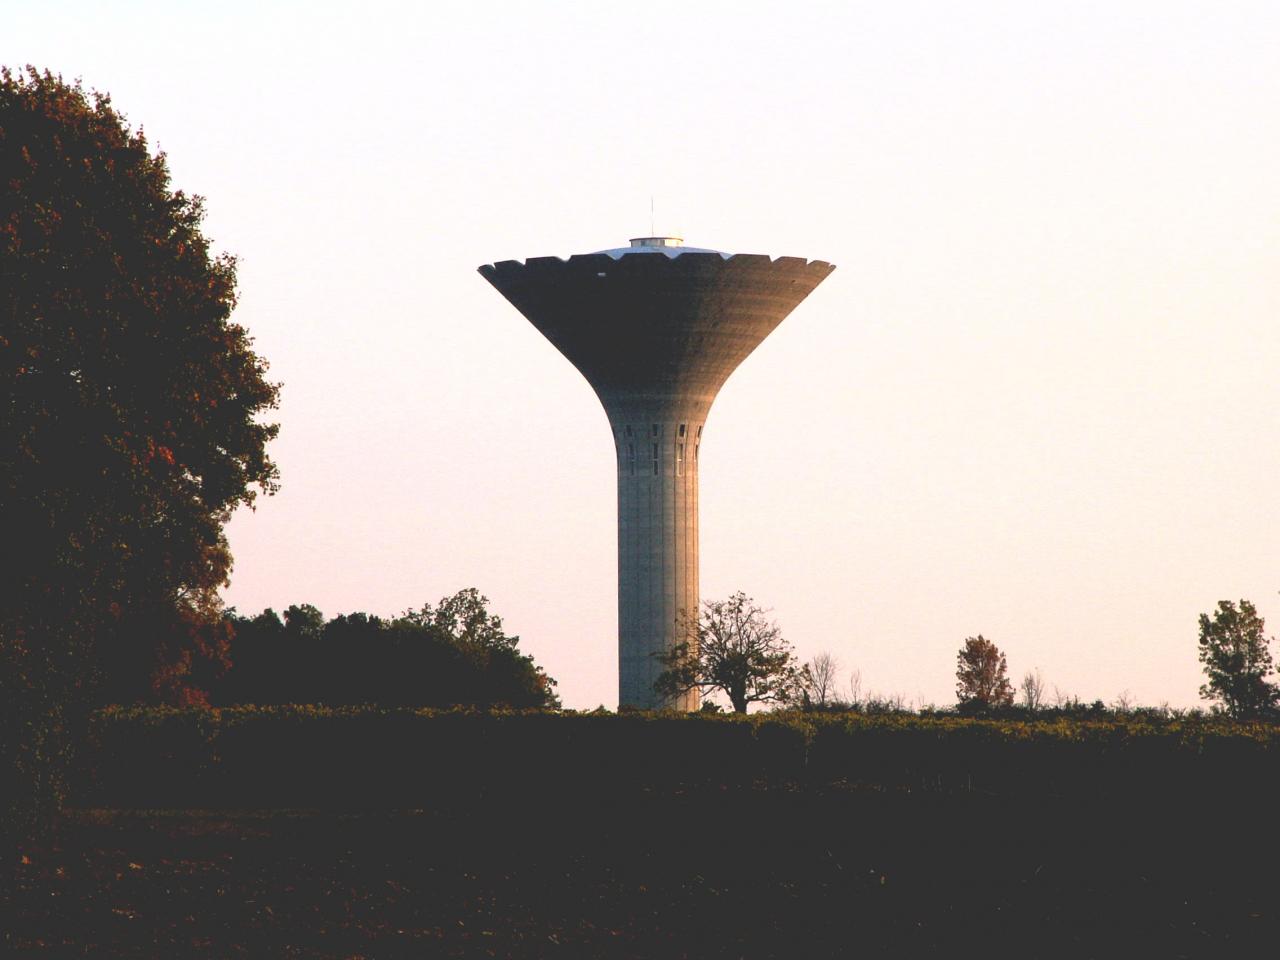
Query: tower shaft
[658, 452]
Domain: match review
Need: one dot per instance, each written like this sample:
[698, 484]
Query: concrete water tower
[656, 328]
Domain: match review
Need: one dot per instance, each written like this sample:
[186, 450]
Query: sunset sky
[1037, 400]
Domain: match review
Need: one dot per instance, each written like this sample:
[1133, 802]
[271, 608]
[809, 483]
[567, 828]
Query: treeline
[314, 757]
[1068, 709]
[1233, 645]
[455, 653]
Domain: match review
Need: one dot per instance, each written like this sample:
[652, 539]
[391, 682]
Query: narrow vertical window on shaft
[655, 459]
[631, 459]
[679, 459]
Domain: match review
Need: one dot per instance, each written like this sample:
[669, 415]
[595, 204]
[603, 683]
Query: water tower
[656, 328]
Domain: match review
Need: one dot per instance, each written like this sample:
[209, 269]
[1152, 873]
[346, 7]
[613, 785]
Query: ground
[765, 870]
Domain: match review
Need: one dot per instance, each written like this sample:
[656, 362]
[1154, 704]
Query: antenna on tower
[651, 214]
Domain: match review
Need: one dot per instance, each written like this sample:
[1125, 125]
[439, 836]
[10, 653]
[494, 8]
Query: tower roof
[671, 246]
[644, 248]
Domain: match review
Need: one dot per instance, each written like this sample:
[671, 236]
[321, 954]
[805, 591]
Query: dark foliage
[301, 756]
[1237, 660]
[128, 412]
[456, 653]
[171, 656]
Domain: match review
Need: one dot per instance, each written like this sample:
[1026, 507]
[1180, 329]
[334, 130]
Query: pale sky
[1037, 399]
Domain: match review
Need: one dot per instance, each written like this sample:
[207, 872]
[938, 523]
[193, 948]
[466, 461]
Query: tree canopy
[129, 403]
[982, 676]
[130, 426]
[1237, 660]
[455, 653]
[740, 652]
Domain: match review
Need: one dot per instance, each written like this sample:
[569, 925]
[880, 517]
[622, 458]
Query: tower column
[658, 603]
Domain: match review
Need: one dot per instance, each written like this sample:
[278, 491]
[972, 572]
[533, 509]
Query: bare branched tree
[888, 703]
[820, 678]
[855, 687]
[1123, 703]
[1032, 688]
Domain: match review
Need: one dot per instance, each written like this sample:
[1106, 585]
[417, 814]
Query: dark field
[768, 869]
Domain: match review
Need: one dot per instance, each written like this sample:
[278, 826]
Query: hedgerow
[371, 757]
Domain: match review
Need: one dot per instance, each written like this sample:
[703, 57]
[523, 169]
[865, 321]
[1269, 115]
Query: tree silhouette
[1237, 661]
[129, 403]
[982, 675]
[819, 678]
[1032, 689]
[740, 652]
[455, 653]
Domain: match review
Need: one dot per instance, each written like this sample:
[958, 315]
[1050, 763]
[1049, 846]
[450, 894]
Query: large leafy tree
[982, 676]
[129, 403]
[1237, 660]
[740, 652]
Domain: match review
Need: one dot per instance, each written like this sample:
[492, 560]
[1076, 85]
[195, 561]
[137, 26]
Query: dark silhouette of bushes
[453, 654]
[393, 758]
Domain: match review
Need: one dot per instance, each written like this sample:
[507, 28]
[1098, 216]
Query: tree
[855, 688]
[819, 676]
[1032, 687]
[303, 620]
[1237, 660]
[189, 654]
[502, 673]
[982, 675]
[465, 619]
[452, 654]
[739, 652]
[129, 403]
